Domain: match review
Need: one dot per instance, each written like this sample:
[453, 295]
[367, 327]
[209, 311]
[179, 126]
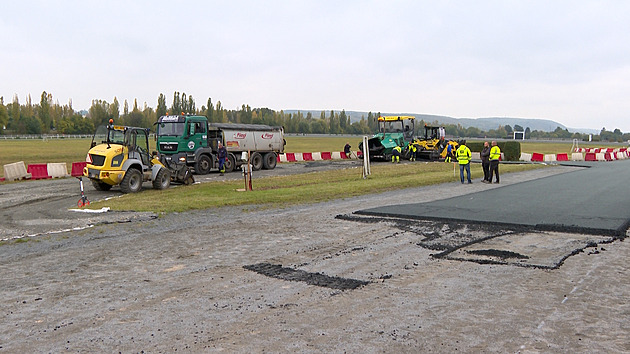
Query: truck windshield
[171, 129]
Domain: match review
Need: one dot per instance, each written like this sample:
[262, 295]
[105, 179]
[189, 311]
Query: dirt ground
[310, 278]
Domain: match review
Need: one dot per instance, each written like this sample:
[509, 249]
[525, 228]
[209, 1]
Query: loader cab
[431, 132]
[137, 140]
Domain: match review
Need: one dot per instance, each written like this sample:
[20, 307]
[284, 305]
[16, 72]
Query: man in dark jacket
[485, 162]
[222, 156]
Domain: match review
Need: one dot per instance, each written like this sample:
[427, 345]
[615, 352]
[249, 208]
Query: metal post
[366, 158]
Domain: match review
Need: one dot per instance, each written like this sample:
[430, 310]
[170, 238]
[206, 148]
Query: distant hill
[485, 124]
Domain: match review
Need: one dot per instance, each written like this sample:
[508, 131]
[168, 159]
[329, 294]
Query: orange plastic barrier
[38, 171]
[326, 156]
[590, 156]
[290, 156]
[538, 157]
[77, 169]
[307, 156]
[344, 156]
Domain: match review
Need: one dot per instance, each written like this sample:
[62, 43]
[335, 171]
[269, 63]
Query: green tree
[161, 106]
[176, 107]
[192, 109]
[344, 122]
[44, 111]
[4, 116]
[135, 119]
[31, 125]
[334, 123]
[210, 110]
[114, 109]
[184, 103]
[99, 112]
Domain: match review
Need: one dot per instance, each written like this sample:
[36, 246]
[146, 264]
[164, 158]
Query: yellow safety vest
[397, 148]
[463, 155]
[495, 153]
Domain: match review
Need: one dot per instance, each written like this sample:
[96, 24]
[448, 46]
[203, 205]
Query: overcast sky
[567, 61]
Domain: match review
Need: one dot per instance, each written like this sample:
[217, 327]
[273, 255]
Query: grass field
[289, 190]
[75, 150]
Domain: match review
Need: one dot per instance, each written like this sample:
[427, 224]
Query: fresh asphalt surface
[593, 200]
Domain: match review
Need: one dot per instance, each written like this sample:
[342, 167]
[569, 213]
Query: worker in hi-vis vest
[463, 157]
[396, 154]
[495, 155]
[412, 151]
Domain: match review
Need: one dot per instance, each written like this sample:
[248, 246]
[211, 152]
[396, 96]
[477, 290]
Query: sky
[567, 61]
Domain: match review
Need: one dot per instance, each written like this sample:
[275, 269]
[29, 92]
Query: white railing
[45, 136]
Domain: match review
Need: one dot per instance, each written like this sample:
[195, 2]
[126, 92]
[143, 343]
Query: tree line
[49, 117]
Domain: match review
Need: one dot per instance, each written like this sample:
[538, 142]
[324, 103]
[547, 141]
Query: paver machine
[392, 131]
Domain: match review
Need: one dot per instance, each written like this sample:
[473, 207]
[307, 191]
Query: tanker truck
[194, 141]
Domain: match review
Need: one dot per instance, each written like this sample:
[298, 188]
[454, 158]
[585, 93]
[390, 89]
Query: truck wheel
[257, 161]
[101, 186]
[162, 179]
[132, 182]
[229, 163]
[203, 165]
[270, 160]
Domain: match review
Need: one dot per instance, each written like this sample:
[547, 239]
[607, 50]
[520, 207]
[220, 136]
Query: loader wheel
[132, 182]
[257, 161]
[202, 167]
[162, 179]
[270, 160]
[101, 186]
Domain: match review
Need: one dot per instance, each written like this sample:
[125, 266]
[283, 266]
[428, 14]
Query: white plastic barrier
[317, 156]
[336, 155]
[550, 157]
[283, 158]
[57, 169]
[600, 156]
[577, 156]
[15, 170]
[475, 156]
[525, 157]
[620, 155]
[298, 156]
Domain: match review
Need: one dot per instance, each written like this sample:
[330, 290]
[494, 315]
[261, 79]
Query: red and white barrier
[580, 154]
[313, 156]
[38, 171]
[57, 169]
[15, 171]
[577, 156]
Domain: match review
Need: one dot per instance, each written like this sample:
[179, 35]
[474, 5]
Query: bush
[510, 149]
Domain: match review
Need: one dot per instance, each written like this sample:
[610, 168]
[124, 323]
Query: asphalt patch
[588, 201]
[279, 272]
[498, 253]
[521, 246]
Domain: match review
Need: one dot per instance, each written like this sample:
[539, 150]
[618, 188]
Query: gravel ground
[309, 278]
